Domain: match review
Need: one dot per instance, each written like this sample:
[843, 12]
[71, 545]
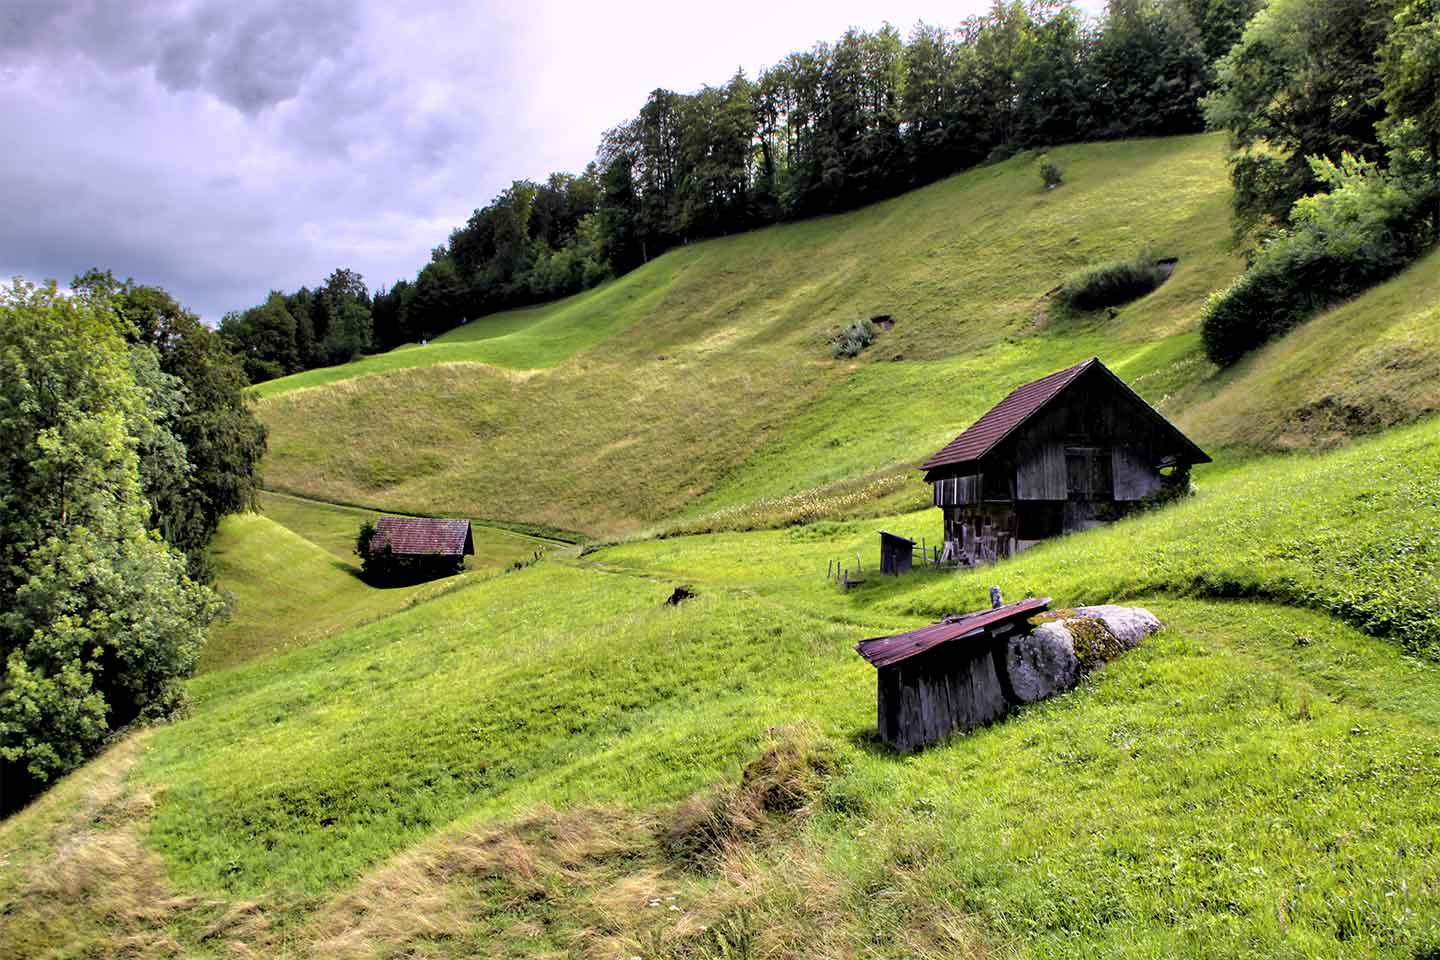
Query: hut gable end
[1066, 452]
[1025, 432]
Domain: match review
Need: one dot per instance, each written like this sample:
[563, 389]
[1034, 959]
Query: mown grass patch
[286, 591]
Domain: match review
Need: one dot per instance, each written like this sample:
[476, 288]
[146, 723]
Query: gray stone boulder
[1129, 625]
[1051, 658]
[1042, 663]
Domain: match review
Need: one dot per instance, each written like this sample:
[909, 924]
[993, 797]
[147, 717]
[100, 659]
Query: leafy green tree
[1410, 67]
[98, 621]
[195, 391]
[1303, 81]
[439, 298]
[1148, 71]
[264, 338]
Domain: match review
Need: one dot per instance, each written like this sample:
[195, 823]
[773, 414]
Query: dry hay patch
[100, 891]
[726, 873]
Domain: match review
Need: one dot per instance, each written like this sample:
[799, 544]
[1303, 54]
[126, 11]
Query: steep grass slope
[1368, 364]
[713, 356]
[1257, 780]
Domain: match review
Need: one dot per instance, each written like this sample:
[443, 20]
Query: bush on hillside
[1112, 284]
[1050, 173]
[850, 341]
[1363, 231]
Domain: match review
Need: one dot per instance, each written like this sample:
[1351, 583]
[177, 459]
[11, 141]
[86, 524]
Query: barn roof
[423, 537]
[1024, 402]
[884, 651]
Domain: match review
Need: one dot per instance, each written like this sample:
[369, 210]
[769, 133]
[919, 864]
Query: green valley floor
[545, 762]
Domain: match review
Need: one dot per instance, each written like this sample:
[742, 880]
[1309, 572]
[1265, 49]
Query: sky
[222, 149]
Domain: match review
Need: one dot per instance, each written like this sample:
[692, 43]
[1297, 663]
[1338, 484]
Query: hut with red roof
[416, 547]
[1067, 452]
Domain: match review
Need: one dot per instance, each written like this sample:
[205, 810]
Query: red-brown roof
[884, 651]
[423, 537]
[999, 420]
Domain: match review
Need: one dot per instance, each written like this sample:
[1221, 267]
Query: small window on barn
[1089, 474]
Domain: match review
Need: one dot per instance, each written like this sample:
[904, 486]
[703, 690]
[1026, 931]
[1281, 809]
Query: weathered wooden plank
[1134, 477]
[1041, 473]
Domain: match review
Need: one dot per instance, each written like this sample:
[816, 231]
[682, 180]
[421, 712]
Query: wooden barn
[946, 677]
[424, 541]
[1066, 452]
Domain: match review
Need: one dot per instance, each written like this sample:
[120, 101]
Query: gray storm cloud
[224, 149]
[247, 55]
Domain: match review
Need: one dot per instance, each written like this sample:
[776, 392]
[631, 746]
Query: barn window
[1088, 473]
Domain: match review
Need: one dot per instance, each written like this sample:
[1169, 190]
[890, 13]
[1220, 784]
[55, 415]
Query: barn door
[1089, 474]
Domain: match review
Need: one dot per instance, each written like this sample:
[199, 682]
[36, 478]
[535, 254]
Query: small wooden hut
[424, 545]
[945, 677]
[1064, 453]
[897, 553]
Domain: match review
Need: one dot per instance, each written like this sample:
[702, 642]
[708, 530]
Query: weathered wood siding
[1041, 473]
[954, 687]
[953, 491]
[1134, 477]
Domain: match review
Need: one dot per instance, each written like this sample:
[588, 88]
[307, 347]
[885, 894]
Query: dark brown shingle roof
[423, 537]
[883, 651]
[1024, 402]
[999, 420]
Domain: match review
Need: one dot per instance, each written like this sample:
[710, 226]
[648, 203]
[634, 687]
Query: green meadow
[551, 761]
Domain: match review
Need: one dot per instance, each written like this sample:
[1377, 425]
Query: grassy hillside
[554, 762]
[714, 355]
[1368, 364]
[1255, 780]
[293, 576]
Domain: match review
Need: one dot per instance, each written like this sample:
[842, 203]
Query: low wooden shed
[424, 541]
[1066, 452]
[897, 553]
[946, 677]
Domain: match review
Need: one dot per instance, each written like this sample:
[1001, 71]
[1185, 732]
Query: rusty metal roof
[884, 651]
[423, 537]
[999, 420]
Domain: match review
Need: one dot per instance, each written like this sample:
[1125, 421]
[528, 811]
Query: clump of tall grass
[851, 340]
[1111, 284]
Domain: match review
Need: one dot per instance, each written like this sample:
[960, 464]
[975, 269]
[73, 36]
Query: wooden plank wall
[1041, 475]
[954, 491]
[1134, 478]
[923, 699]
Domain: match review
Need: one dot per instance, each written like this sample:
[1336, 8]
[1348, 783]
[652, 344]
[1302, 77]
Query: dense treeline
[308, 328]
[1333, 109]
[200, 444]
[826, 129]
[127, 436]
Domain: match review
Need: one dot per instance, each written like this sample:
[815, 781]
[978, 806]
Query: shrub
[1364, 230]
[852, 339]
[1112, 284]
[1050, 173]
